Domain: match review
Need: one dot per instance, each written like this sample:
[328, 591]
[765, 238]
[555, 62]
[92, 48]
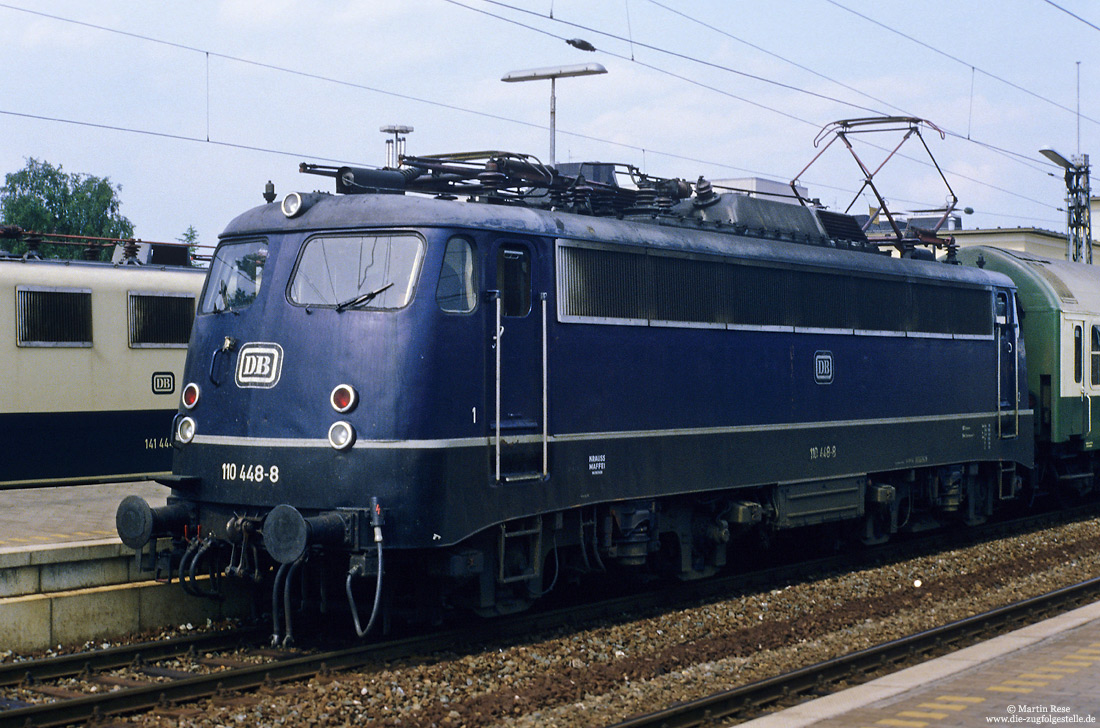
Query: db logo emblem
[164, 382]
[823, 367]
[259, 365]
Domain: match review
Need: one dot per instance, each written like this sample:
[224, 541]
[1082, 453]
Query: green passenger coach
[1059, 305]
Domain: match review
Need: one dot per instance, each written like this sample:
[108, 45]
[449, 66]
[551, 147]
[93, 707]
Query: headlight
[341, 435]
[292, 204]
[185, 430]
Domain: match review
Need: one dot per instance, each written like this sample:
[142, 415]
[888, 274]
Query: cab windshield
[356, 272]
[236, 274]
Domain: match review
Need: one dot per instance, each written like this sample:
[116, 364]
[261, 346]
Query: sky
[191, 108]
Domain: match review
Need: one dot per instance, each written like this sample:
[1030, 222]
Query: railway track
[745, 702]
[144, 684]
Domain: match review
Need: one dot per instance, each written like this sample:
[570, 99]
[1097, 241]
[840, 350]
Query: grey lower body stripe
[303, 442]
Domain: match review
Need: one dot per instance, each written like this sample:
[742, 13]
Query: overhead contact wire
[960, 61]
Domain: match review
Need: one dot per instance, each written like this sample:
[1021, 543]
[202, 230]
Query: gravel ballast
[603, 674]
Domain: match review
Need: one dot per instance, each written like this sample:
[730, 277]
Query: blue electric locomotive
[558, 372]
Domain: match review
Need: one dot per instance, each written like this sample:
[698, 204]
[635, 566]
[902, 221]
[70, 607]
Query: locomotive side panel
[663, 391]
[494, 387]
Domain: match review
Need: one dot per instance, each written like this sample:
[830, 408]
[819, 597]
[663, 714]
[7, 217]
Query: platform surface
[67, 514]
[1044, 674]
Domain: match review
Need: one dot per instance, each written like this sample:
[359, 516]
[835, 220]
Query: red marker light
[343, 398]
[190, 395]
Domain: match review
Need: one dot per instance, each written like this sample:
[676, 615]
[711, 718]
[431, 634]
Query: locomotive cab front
[335, 375]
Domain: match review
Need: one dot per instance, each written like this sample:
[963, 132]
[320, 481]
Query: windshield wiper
[223, 293]
[363, 298]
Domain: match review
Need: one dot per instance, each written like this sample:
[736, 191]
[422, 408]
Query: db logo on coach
[259, 365]
[823, 367]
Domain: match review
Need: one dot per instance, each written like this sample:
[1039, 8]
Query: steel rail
[67, 711]
[59, 666]
[770, 691]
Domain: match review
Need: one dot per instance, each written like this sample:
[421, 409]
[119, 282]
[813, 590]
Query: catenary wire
[665, 51]
[1013, 155]
[365, 87]
[1072, 15]
[1018, 157]
[958, 60]
[362, 87]
[165, 135]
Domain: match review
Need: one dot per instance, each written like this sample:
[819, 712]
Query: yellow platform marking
[1095, 652]
[1071, 663]
[961, 698]
[999, 689]
[921, 714]
[1042, 675]
[1033, 683]
[19, 540]
[1044, 668]
[943, 706]
[902, 723]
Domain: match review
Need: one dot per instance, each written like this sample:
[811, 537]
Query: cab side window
[456, 291]
[1001, 309]
[514, 279]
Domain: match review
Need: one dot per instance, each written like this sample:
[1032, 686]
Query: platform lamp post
[1078, 214]
[554, 73]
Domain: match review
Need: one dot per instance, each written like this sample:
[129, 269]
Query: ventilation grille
[642, 288]
[54, 317]
[159, 321]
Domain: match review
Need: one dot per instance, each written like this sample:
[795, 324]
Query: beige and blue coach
[92, 355]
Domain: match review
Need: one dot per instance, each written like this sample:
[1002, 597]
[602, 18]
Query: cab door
[1006, 332]
[516, 385]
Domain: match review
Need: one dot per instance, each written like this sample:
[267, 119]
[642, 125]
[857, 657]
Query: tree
[191, 237]
[46, 199]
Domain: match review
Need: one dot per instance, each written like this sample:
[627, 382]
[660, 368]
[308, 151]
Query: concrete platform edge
[41, 621]
[830, 706]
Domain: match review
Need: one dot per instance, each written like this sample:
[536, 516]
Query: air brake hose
[187, 555]
[213, 593]
[377, 590]
[288, 638]
[276, 619]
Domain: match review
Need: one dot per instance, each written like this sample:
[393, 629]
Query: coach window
[1095, 376]
[1078, 354]
[455, 291]
[514, 279]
